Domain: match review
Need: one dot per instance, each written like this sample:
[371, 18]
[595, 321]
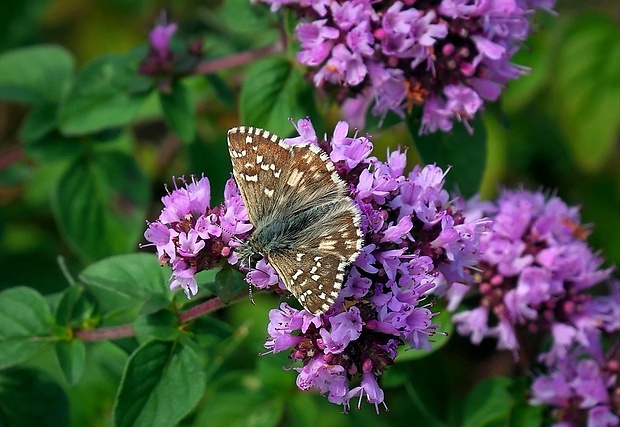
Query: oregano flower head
[446, 57]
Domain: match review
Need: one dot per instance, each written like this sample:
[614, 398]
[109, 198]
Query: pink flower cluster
[447, 56]
[414, 241]
[191, 236]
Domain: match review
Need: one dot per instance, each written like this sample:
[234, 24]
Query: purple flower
[414, 242]
[159, 39]
[447, 56]
[582, 387]
[534, 272]
[163, 62]
[191, 236]
[316, 41]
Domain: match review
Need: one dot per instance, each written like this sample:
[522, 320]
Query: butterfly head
[249, 253]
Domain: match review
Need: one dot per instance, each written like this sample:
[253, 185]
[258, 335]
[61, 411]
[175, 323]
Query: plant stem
[12, 156]
[242, 58]
[124, 331]
[103, 334]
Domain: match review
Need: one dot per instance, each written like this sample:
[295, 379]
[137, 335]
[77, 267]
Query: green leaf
[446, 328]
[162, 325]
[179, 111]
[464, 152]
[100, 203]
[40, 121]
[489, 403]
[161, 384]
[101, 96]
[208, 331]
[274, 90]
[25, 325]
[522, 92]
[527, 415]
[36, 74]
[71, 356]
[223, 410]
[31, 398]
[302, 408]
[524, 414]
[74, 308]
[229, 282]
[133, 278]
[587, 85]
[244, 17]
[54, 147]
[222, 90]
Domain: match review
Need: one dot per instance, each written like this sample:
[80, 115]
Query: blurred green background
[556, 128]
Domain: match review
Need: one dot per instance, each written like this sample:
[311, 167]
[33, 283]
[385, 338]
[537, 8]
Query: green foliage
[488, 404]
[103, 95]
[274, 91]
[31, 398]
[179, 111]
[587, 89]
[40, 84]
[228, 282]
[25, 325]
[123, 282]
[162, 382]
[465, 152]
[99, 203]
[71, 357]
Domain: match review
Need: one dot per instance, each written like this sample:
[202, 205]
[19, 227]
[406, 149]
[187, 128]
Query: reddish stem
[110, 333]
[124, 331]
[198, 310]
[242, 58]
[10, 157]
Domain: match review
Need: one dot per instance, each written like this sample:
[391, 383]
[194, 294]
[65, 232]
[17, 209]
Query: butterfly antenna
[249, 284]
[232, 235]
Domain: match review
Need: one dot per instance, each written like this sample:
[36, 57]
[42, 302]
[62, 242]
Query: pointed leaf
[179, 111]
[162, 382]
[100, 202]
[71, 356]
[36, 74]
[74, 307]
[25, 325]
[128, 279]
[101, 96]
[274, 91]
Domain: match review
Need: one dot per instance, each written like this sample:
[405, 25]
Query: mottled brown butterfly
[305, 224]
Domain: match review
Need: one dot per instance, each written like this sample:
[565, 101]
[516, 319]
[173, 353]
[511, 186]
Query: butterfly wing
[310, 277]
[274, 178]
[252, 152]
[312, 264]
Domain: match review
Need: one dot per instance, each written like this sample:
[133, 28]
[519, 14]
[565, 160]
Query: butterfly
[305, 224]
